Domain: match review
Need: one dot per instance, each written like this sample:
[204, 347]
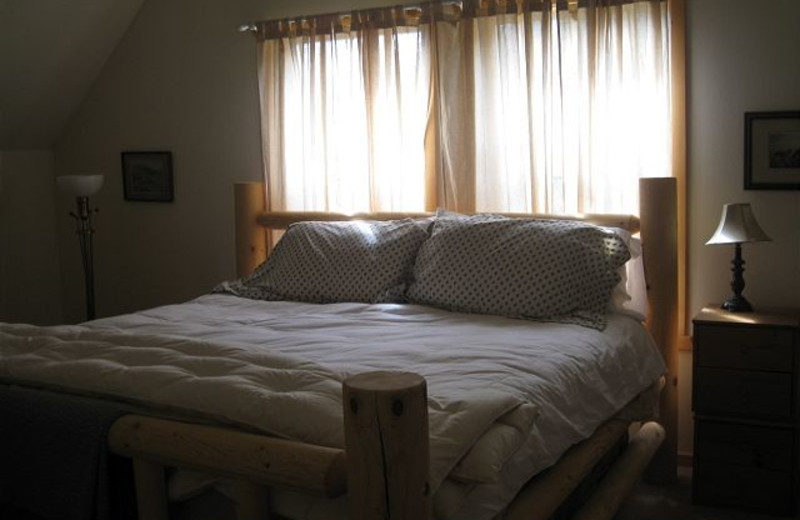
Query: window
[490, 106]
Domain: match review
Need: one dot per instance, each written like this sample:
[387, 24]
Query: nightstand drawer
[754, 394]
[745, 347]
[725, 484]
[744, 445]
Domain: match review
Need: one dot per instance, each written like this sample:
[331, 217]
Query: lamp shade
[738, 225]
[80, 185]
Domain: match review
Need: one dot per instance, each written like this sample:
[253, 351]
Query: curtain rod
[560, 4]
[253, 26]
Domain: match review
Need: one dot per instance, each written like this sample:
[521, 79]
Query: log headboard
[656, 223]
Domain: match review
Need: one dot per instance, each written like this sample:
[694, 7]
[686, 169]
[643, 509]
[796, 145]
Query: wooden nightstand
[745, 401]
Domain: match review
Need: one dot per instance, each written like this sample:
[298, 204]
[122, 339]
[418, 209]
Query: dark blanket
[54, 461]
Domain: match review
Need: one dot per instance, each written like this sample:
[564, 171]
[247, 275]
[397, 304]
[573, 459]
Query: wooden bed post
[659, 227]
[250, 500]
[251, 238]
[151, 490]
[386, 442]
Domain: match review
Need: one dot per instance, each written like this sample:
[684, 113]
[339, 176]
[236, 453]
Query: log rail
[386, 471]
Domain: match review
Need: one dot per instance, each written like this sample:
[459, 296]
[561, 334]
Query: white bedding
[528, 390]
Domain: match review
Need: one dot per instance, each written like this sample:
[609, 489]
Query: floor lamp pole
[83, 222]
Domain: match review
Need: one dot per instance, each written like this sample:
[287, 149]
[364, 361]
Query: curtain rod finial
[247, 27]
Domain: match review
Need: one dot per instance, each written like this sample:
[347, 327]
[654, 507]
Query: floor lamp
[80, 187]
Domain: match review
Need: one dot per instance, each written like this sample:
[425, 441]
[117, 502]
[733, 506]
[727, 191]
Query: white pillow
[629, 296]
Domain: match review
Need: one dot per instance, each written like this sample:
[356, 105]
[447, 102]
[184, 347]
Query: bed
[418, 440]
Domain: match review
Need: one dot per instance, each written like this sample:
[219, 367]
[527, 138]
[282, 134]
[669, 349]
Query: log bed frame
[384, 465]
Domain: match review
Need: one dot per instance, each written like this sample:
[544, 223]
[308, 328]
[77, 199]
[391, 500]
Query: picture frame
[772, 150]
[147, 176]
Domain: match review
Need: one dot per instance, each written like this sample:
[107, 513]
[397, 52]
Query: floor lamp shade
[81, 187]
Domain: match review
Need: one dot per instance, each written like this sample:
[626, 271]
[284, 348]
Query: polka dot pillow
[549, 270]
[327, 262]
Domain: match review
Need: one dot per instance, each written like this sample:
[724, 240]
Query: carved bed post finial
[386, 439]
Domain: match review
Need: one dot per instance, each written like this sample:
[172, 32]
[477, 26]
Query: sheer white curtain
[343, 116]
[491, 105]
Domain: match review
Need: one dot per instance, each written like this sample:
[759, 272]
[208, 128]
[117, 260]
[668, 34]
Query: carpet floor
[674, 502]
[645, 503]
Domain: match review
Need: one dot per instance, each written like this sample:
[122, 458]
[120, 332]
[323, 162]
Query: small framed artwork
[772, 150]
[147, 176]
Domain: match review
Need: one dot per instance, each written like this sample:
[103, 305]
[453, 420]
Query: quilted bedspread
[506, 397]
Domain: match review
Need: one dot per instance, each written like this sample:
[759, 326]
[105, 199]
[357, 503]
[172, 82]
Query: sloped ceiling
[51, 51]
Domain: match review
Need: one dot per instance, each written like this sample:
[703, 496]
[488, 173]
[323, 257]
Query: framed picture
[772, 150]
[147, 176]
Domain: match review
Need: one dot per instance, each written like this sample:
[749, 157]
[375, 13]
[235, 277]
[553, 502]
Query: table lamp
[81, 186]
[737, 226]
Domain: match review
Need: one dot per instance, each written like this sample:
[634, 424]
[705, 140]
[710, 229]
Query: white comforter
[517, 393]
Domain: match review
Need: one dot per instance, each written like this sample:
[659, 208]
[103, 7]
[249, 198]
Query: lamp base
[737, 303]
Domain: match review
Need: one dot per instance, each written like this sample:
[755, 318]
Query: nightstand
[745, 401]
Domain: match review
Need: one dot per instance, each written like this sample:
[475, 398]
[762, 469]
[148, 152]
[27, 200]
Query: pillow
[327, 262]
[629, 296]
[549, 270]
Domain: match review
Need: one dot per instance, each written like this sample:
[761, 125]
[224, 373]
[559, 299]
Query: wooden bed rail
[385, 473]
[386, 432]
[283, 219]
[265, 460]
[617, 484]
[541, 497]
[252, 222]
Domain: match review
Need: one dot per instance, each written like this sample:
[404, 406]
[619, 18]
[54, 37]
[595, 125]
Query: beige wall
[182, 79]
[30, 282]
[742, 57]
